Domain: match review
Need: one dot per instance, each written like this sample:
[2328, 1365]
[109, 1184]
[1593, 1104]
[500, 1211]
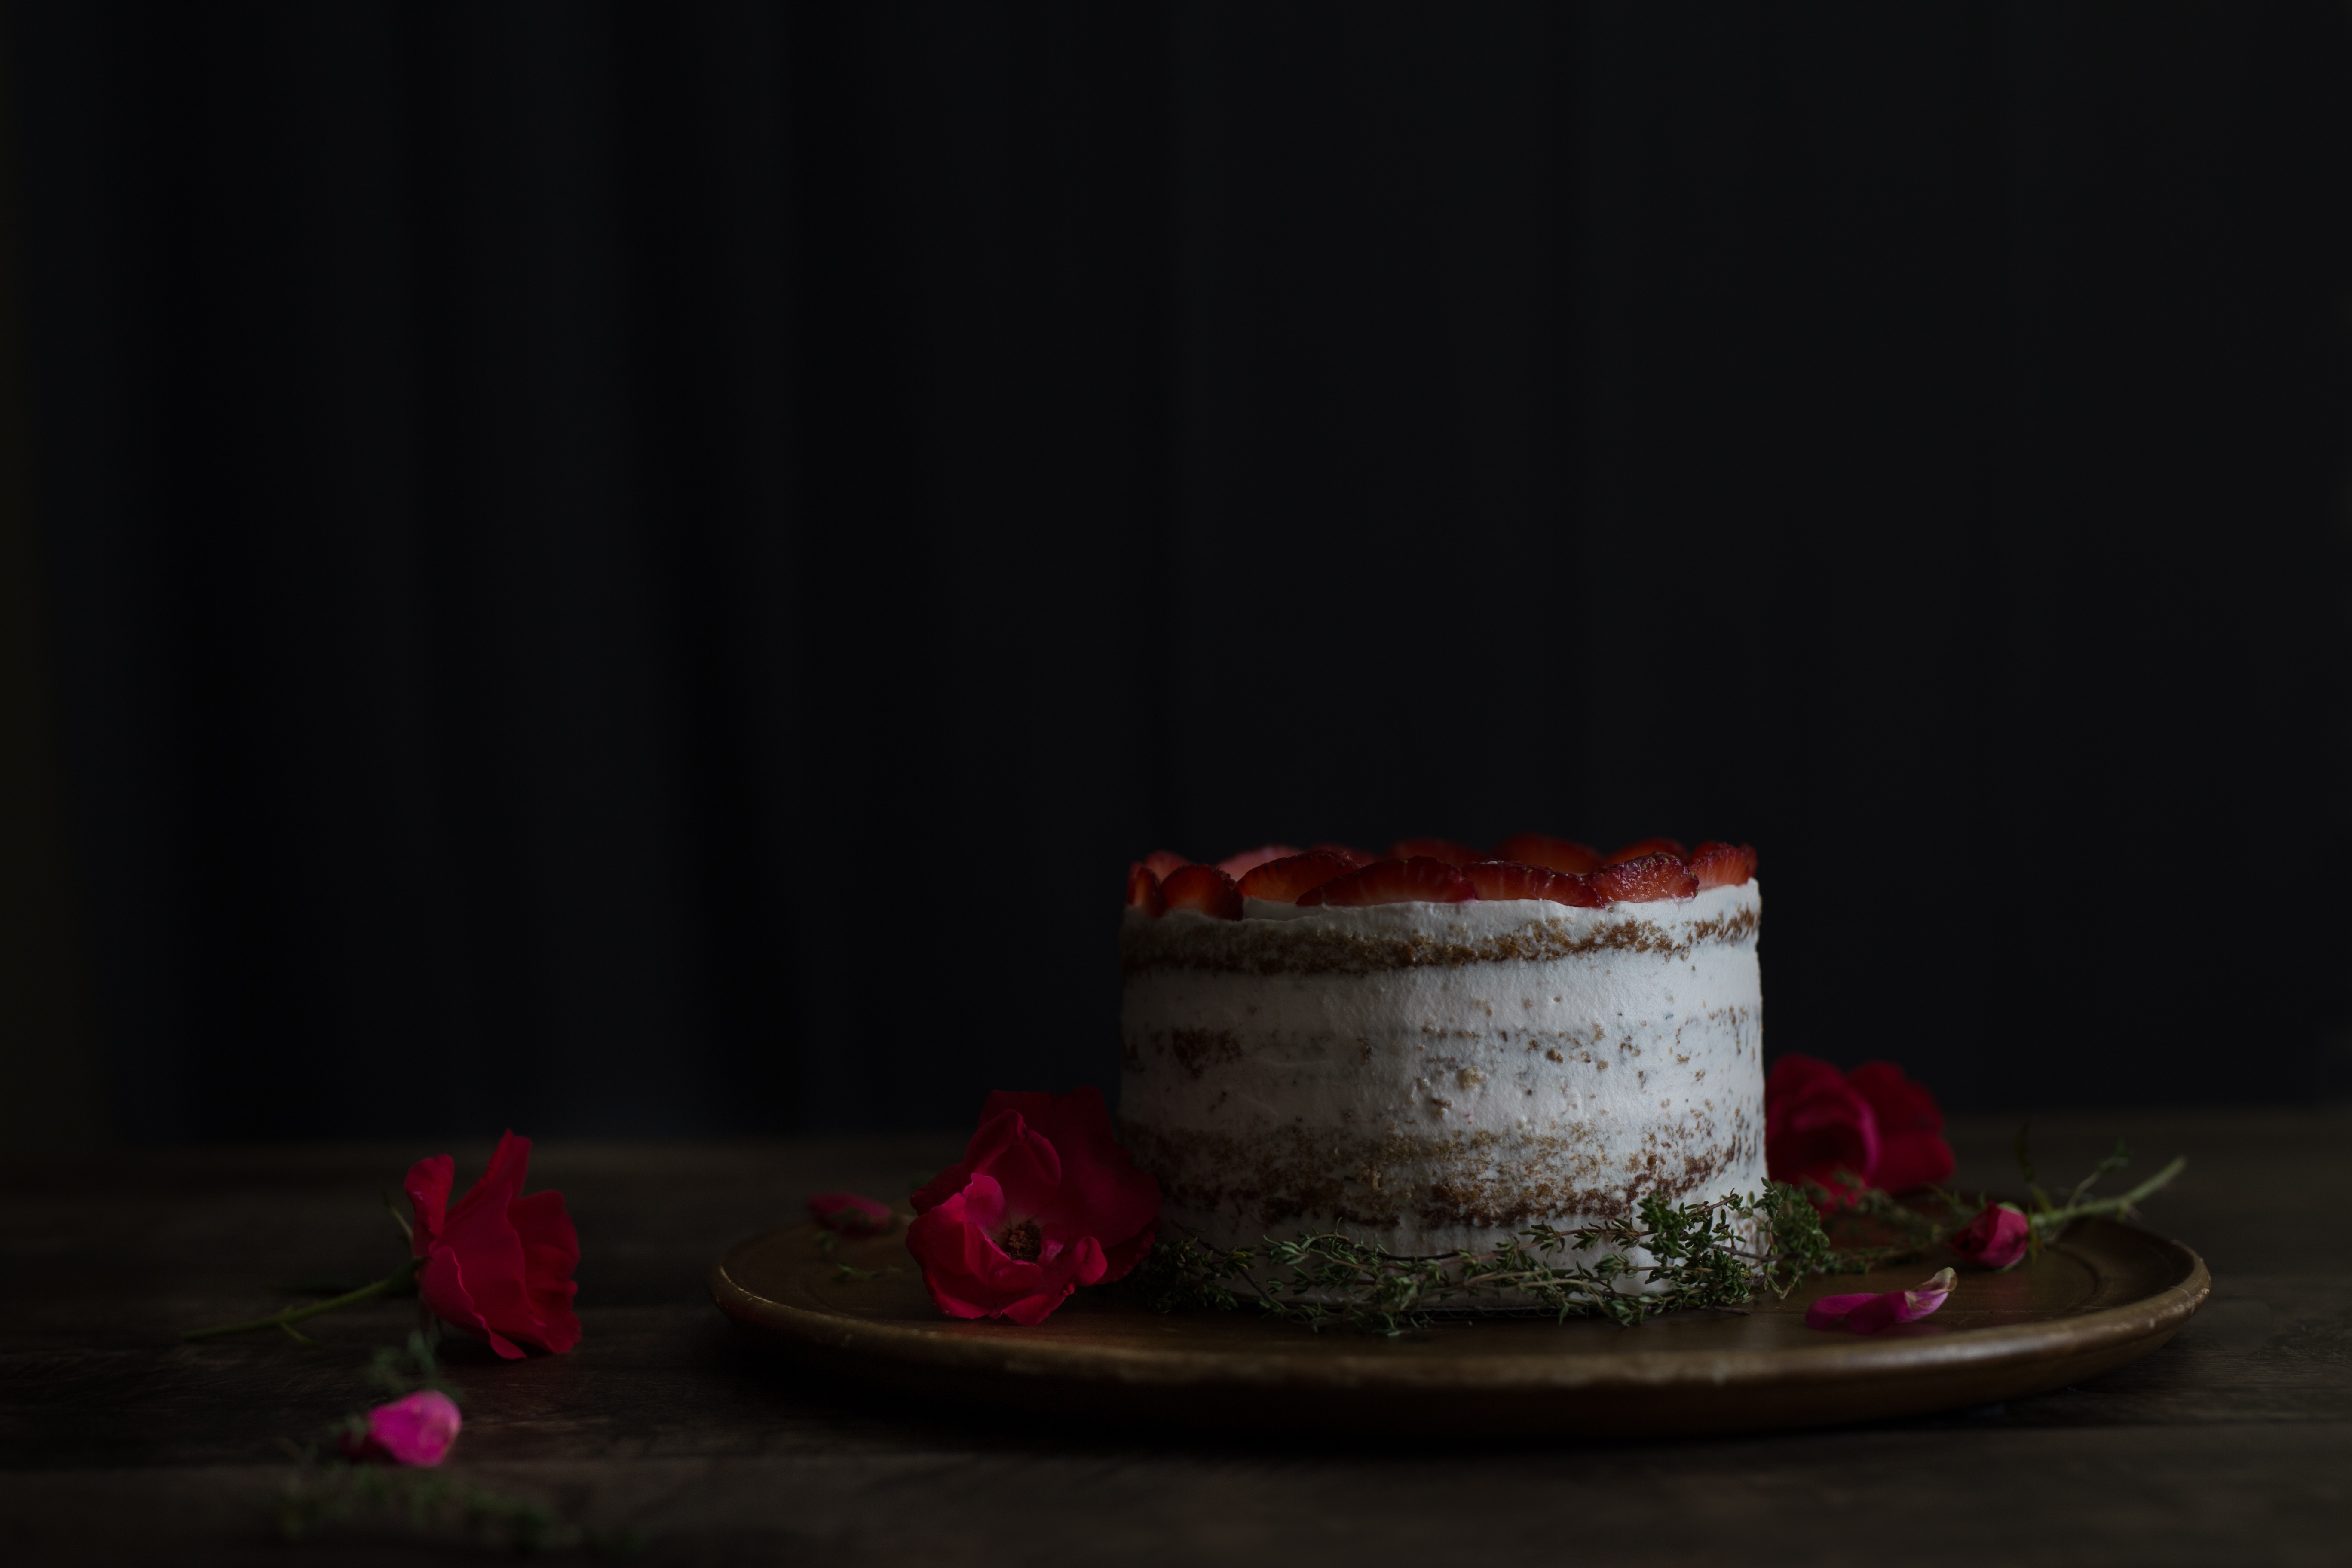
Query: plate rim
[966, 1346]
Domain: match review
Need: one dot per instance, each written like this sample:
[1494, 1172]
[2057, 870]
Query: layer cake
[1431, 1051]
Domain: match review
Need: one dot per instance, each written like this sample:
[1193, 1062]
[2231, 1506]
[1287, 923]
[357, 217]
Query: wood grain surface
[2233, 1443]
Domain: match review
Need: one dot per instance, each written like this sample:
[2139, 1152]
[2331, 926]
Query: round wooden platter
[2105, 1294]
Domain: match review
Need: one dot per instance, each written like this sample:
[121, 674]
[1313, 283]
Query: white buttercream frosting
[1427, 1076]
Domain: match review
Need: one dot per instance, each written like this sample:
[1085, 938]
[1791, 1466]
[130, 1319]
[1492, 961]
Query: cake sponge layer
[1427, 1076]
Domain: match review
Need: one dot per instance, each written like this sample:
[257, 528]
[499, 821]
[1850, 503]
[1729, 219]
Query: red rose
[1872, 1121]
[1995, 1238]
[498, 1265]
[1044, 1201]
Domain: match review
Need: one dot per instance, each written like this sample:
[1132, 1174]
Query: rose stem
[292, 1315]
[2111, 1206]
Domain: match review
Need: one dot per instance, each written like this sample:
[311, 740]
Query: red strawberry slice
[1444, 850]
[1248, 860]
[1204, 888]
[1511, 879]
[1565, 855]
[1354, 857]
[1285, 881]
[1644, 881]
[1144, 890]
[1160, 862]
[1422, 879]
[1719, 865]
[1641, 847]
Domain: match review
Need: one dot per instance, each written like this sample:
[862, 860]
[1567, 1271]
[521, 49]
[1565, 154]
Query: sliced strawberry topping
[1160, 862]
[1553, 854]
[1422, 879]
[1354, 857]
[1641, 847]
[1248, 860]
[1511, 879]
[1717, 865]
[1283, 881]
[1444, 850]
[1646, 880]
[1203, 888]
[1144, 890]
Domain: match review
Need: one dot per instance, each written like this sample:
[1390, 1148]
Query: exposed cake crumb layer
[1432, 1077]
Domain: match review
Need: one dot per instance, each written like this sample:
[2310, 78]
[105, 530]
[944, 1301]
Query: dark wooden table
[120, 1445]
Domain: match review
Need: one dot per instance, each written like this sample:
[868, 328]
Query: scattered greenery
[829, 1244]
[1714, 1256]
[326, 1490]
[329, 1487]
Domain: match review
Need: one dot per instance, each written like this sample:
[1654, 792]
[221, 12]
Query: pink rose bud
[1868, 1313]
[415, 1430]
[851, 1214]
[1996, 1238]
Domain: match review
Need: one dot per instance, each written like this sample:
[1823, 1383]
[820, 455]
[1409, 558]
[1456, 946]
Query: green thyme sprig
[2050, 1219]
[1666, 1257]
[329, 1488]
[1714, 1256]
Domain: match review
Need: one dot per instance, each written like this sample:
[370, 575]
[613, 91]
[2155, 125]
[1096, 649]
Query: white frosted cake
[1431, 1051]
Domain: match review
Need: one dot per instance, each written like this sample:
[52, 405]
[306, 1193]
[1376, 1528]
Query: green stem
[2053, 1219]
[293, 1315]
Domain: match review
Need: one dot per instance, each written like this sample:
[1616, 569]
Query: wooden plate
[2105, 1294]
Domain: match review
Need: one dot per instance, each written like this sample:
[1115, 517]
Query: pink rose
[1996, 1238]
[1872, 1121]
[1868, 1313]
[416, 1430]
[851, 1214]
[497, 1265]
[1044, 1201]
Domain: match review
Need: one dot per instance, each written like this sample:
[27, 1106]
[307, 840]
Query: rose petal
[1910, 1160]
[1869, 1313]
[851, 1214]
[1912, 1152]
[1820, 1131]
[415, 1430]
[1103, 1194]
[1004, 1146]
[550, 1251]
[428, 1184]
[1831, 1311]
[443, 1285]
[983, 1203]
[1794, 1074]
[480, 1235]
[1901, 1105]
[1996, 1238]
[496, 1264]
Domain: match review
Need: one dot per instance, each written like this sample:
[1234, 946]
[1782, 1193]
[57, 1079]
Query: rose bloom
[1996, 1238]
[1872, 1121]
[415, 1430]
[497, 1265]
[1044, 1201]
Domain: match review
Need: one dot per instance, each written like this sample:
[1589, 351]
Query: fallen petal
[1831, 1311]
[852, 1214]
[416, 1430]
[1869, 1313]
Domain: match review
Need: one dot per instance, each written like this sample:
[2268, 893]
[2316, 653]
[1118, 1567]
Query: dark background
[645, 570]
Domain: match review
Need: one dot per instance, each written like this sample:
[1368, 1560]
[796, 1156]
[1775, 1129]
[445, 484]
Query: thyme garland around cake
[1435, 1051]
